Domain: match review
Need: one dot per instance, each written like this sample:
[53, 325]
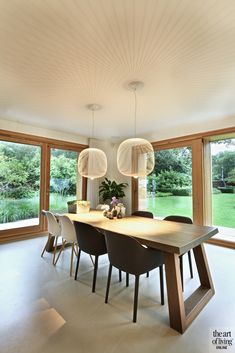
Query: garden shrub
[18, 193]
[16, 210]
[216, 191]
[227, 190]
[184, 191]
[168, 180]
[163, 194]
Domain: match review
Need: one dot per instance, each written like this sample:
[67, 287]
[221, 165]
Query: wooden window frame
[46, 144]
[200, 173]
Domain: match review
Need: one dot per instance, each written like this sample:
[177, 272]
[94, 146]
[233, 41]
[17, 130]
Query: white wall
[110, 150]
[38, 131]
[159, 133]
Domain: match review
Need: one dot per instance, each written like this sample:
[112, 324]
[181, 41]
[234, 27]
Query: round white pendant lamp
[135, 156]
[92, 162]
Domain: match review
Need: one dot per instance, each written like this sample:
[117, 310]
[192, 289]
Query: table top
[172, 237]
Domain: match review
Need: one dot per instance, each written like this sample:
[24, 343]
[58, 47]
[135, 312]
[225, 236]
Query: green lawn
[223, 207]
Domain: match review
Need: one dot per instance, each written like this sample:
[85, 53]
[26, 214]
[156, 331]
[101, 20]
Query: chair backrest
[52, 224]
[89, 239]
[128, 255]
[67, 229]
[146, 214]
[180, 219]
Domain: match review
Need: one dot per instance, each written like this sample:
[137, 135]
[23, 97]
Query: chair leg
[147, 274]
[108, 283]
[71, 260]
[182, 271]
[48, 238]
[136, 298]
[161, 284]
[55, 249]
[120, 275]
[127, 279]
[190, 263]
[92, 260]
[78, 259]
[95, 273]
[75, 249]
[61, 249]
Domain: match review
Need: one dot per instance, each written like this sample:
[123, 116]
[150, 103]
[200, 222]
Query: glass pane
[19, 185]
[223, 182]
[168, 189]
[65, 183]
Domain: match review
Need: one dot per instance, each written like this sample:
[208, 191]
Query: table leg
[181, 312]
[174, 292]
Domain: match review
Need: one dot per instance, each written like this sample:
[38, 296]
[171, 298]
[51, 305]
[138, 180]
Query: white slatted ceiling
[56, 56]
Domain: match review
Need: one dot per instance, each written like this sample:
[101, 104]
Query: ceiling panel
[57, 56]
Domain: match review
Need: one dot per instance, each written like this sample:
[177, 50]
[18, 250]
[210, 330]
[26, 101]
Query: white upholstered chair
[53, 231]
[68, 235]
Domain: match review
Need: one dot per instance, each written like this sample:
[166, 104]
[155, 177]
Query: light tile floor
[42, 309]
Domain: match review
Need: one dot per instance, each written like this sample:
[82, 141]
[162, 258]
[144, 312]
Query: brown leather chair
[182, 219]
[146, 214]
[128, 255]
[92, 242]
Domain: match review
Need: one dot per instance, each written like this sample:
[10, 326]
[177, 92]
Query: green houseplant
[109, 189]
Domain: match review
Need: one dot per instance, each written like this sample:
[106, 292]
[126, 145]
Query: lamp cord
[93, 122]
[135, 109]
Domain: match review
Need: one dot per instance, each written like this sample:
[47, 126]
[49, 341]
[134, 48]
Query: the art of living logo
[222, 340]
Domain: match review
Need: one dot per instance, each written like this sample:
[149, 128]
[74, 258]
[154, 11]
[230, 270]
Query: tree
[63, 174]
[177, 159]
[223, 163]
[173, 169]
[167, 180]
[231, 177]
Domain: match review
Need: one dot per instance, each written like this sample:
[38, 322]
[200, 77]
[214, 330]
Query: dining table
[173, 239]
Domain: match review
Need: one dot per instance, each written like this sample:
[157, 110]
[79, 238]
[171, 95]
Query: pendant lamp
[135, 156]
[92, 162]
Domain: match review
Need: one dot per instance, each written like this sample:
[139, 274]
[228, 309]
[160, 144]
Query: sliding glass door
[223, 187]
[19, 185]
[36, 174]
[168, 189]
[65, 182]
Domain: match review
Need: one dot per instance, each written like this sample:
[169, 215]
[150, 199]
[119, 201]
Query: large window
[168, 189]
[19, 185]
[36, 173]
[223, 186]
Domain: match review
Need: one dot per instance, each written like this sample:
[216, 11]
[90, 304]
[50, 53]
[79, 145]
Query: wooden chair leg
[61, 249]
[127, 279]
[77, 265]
[161, 284]
[136, 298]
[120, 275]
[108, 283]
[190, 263]
[75, 249]
[182, 271]
[71, 260]
[48, 239]
[95, 273]
[55, 249]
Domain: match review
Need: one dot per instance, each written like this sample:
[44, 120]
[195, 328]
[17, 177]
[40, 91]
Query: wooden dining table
[174, 239]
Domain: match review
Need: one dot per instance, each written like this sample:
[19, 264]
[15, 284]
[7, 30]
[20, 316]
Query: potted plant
[109, 189]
